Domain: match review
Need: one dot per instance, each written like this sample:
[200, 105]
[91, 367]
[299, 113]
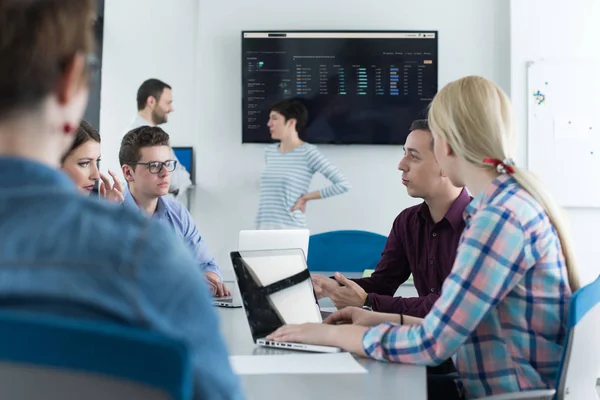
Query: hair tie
[503, 167]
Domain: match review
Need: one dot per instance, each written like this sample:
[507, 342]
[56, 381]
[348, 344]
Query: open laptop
[264, 240]
[274, 239]
[232, 301]
[276, 289]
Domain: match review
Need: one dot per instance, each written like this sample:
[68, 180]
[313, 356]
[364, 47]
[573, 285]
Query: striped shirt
[503, 307]
[286, 178]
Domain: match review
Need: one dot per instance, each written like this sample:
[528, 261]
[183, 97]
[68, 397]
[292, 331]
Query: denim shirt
[179, 218]
[67, 254]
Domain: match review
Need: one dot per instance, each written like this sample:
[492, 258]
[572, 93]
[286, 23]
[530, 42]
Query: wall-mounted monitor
[359, 87]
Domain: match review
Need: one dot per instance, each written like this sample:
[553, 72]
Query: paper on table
[339, 363]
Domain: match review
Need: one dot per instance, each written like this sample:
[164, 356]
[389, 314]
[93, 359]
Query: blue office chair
[580, 361]
[344, 251]
[50, 357]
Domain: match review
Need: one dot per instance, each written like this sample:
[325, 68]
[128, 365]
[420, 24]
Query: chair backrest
[50, 357]
[345, 251]
[580, 364]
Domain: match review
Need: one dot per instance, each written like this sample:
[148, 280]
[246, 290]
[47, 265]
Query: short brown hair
[85, 132]
[138, 138]
[39, 38]
[151, 87]
[422, 125]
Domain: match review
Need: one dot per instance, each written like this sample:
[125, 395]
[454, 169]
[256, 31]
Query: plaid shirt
[503, 308]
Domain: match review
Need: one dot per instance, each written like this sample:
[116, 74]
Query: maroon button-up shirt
[416, 245]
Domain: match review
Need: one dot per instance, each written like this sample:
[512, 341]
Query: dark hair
[38, 41]
[150, 87]
[84, 133]
[138, 138]
[422, 125]
[292, 109]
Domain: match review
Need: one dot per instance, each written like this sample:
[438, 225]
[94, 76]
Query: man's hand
[348, 295]
[323, 285]
[217, 287]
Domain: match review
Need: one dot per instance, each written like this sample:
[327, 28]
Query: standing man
[154, 104]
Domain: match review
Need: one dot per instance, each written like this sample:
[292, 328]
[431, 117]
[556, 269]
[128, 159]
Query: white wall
[147, 39]
[195, 46]
[557, 29]
[474, 39]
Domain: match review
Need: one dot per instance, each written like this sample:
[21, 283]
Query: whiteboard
[563, 141]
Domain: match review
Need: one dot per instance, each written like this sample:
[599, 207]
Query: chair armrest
[546, 394]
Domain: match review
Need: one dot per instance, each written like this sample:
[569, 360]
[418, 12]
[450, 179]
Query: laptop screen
[274, 239]
[291, 304]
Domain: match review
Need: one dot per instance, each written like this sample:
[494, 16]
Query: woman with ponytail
[503, 309]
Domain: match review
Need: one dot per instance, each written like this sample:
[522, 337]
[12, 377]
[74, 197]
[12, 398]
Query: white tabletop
[382, 381]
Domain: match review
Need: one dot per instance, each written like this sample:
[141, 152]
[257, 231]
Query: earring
[67, 128]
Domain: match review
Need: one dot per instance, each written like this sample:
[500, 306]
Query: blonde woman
[503, 309]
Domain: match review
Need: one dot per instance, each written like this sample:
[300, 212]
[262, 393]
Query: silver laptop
[232, 301]
[274, 239]
[276, 289]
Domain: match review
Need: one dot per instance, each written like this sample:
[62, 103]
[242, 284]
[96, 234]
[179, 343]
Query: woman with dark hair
[290, 166]
[82, 163]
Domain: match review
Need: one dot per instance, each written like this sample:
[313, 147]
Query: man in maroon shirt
[423, 239]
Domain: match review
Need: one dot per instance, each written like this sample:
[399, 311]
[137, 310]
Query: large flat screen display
[358, 87]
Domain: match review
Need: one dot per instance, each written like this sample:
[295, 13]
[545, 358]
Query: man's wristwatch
[368, 305]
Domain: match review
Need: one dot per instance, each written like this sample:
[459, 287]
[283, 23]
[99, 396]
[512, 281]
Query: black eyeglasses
[156, 166]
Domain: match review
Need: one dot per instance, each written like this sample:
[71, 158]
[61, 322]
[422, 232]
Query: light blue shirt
[66, 254]
[286, 178]
[179, 218]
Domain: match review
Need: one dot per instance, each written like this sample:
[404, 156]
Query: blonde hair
[474, 116]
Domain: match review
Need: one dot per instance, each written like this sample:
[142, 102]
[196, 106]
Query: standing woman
[503, 310]
[81, 163]
[289, 168]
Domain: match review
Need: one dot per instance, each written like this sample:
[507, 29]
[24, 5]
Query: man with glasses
[146, 160]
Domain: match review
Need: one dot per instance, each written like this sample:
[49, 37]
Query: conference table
[382, 380]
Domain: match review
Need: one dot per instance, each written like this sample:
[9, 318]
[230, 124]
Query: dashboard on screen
[358, 87]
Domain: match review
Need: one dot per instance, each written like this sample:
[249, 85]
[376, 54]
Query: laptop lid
[274, 239]
[275, 288]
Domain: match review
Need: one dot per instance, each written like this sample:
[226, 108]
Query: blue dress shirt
[67, 254]
[179, 218]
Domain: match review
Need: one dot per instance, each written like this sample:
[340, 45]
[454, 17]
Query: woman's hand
[362, 317]
[319, 334]
[348, 337]
[301, 204]
[112, 192]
